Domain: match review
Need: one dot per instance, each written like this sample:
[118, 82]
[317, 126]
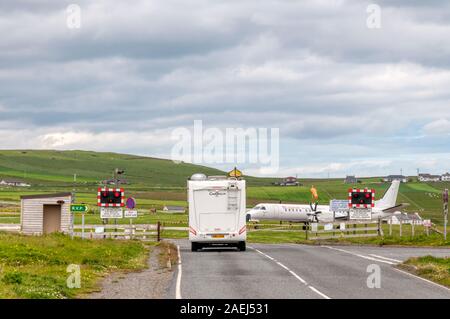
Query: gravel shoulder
[150, 283]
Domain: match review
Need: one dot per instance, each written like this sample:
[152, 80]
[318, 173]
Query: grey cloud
[333, 87]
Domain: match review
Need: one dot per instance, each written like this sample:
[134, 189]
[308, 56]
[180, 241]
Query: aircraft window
[263, 208]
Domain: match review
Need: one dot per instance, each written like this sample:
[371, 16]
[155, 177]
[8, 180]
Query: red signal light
[368, 195]
[117, 194]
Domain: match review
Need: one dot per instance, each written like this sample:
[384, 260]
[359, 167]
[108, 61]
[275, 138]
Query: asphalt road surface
[291, 271]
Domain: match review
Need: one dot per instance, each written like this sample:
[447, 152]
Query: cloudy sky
[347, 99]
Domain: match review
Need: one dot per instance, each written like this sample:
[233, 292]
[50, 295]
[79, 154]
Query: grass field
[36, 267]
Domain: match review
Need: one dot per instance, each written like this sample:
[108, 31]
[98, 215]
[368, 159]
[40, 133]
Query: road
[291, 271]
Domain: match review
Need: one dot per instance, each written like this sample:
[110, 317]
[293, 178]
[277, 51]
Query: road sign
[360, 213]
[131, 203]
[130, 213]
[445, 197]
[79, 208]
[235, 173]
[337, 205]
[111, 212]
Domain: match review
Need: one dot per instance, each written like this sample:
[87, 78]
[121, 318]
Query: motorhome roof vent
[198, 177]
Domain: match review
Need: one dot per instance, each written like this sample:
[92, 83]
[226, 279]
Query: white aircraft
[384, 208]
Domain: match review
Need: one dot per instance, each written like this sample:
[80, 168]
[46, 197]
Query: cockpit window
[259, 207]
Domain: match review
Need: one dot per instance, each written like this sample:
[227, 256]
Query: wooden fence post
[390, 226]
[401, 222]
[412, 228]
[158, 231]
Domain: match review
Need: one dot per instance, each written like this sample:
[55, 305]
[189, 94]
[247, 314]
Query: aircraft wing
[394, 208]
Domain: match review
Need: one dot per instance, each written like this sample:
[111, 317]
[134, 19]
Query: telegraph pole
[445, 198]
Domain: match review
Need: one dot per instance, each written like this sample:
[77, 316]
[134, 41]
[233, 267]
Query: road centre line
[293, 274]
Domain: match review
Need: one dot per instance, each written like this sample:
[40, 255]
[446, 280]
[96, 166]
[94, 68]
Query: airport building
[429, 178]
[391, 178]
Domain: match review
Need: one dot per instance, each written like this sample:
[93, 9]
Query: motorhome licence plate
[218, 236]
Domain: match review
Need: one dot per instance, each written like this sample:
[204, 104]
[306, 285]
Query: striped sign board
[110, 197]
[361, 198]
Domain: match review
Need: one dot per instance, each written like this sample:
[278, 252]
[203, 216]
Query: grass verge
[429, 267]
[36, 267]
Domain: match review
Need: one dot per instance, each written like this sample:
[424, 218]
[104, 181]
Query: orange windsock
[314, 193]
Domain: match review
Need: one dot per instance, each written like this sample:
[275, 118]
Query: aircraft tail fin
[390, 197]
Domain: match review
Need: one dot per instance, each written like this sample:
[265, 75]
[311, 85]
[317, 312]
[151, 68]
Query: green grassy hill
[57, 168]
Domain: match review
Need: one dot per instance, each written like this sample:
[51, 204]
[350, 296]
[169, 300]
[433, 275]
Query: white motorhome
[217, 212]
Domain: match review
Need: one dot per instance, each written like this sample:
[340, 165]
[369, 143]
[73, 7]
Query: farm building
[392, 178]
[43, 214]
[174, 209]
[351, 179]
[113, 182]
[14, 183]
[405, 218]
[288, 181]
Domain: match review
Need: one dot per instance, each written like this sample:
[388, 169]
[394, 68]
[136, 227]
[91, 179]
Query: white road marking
[361, 256]
[386, 258]
[318, 292]
[292, 273]
[178, 286]
[283, 266]
[298, 277]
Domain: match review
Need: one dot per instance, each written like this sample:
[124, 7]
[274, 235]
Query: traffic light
[111, 197]
[361, 198]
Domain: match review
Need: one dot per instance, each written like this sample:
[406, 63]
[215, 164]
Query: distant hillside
[58, 167]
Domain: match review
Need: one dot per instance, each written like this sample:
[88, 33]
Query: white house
[405, 218]
[174, 209]
[445, 177]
